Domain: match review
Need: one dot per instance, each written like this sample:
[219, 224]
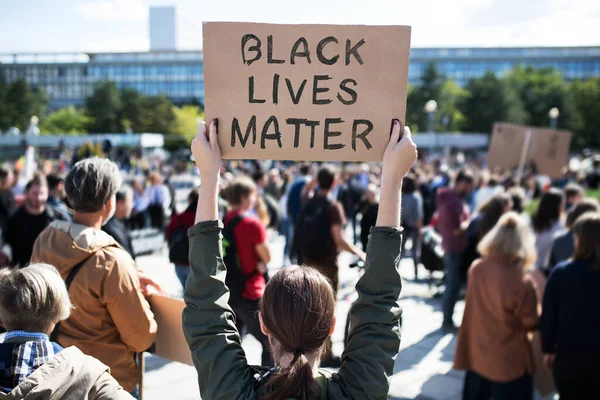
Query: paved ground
[423, 369]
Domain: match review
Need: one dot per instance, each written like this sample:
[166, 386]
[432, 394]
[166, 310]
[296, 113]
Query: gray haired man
[112, 319]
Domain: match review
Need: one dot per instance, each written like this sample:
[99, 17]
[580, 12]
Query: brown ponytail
[298, 310]
[236, 191]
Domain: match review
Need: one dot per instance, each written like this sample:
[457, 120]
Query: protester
[141, 201]
[563, 244]
[571, 316]
[7, 198]
[33, 300]
[412, 218]
[297, 311]
[112, 320]
[573, 195]
[160, 201]
[500, 309]
[489, 187]
[27, 222]
[178, 240]
[593, 178]
[452, 212]
[247, 254]
[116, 227]
[369, 214]
[487, 217]
[274, 186]
[267, 207]
[57, 195]
[546, 223]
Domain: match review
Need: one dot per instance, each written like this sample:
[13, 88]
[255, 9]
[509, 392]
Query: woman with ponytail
[500, 310]
[297, 308]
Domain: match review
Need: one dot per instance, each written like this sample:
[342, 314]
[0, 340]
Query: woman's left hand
[207, 153]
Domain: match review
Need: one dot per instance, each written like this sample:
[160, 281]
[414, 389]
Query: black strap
[70, 277]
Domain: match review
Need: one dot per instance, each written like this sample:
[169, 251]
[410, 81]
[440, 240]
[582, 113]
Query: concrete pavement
[423, 368]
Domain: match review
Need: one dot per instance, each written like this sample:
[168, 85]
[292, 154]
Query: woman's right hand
[207, 153]
[399, 156]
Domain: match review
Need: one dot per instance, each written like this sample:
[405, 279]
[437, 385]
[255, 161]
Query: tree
[540, 90]
[4, 116]
[429, 89]
[68, 120]
[158, 114]
[104, 107]
[449, 117]
[489, 100]
[21, 102]
[186, 121]
[587, 101]
[132, 110]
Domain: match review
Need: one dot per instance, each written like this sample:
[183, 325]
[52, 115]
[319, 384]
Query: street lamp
[553, 114]
[430, 108]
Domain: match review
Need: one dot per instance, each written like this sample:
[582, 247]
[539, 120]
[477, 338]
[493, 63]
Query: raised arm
[374, 341]
[208, 321]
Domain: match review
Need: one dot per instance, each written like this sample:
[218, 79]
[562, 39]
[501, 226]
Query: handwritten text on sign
[305, 92]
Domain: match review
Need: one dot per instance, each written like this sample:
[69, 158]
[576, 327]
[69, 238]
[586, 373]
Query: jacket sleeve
[549, 320]
[374, 340]
[107, 388]
[127, 305]
[209, 322]
[528, 307]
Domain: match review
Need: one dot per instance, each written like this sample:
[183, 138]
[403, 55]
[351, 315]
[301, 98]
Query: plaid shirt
[21, 354]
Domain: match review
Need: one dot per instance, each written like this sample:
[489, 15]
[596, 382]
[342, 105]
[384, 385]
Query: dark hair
[304, 169]
[37, 180]
[240, 188]
[259, 175]
[298, 309]
[326, 177]
[573, 189]
[54, 181]
[409, 184]
[587, 231]
[585, 206]
[465, 176]
[123, 192]
[193, 198]
[493, 182]
[491, 211]
[518, 199]
[549, 210]
[4, 172]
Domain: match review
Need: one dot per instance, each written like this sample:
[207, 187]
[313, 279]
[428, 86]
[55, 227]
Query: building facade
[69, 78]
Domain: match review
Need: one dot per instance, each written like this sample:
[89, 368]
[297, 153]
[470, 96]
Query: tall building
[162, 29]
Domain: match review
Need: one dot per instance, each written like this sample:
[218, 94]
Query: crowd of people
[523, 246]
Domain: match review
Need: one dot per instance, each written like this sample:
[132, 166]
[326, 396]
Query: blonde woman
[33, 300]
[501, 308]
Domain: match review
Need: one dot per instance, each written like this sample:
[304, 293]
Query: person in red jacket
[176, 231]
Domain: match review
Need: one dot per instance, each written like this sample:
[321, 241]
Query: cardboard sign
[547, 150]
[170, 342]
[305, 92]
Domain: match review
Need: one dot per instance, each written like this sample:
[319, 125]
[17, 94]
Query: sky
[122, 25]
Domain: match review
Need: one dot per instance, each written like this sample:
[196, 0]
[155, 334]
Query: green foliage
[586, 95]
[18, 102]
[158, 116]
[539, 91]
[89, 149]
[104, 106]
[186, 121]
[449, 117]
[489, 100]
[68, 120]
[132, 110]
[430, 88]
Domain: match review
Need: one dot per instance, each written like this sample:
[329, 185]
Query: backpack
[235, 280]
[312, 236]
[179, 245]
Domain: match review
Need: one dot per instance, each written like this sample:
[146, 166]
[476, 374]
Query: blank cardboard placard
[305, 92]
[548, 150]
[170, 342]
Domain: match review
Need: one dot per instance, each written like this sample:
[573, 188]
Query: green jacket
[374, 341]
